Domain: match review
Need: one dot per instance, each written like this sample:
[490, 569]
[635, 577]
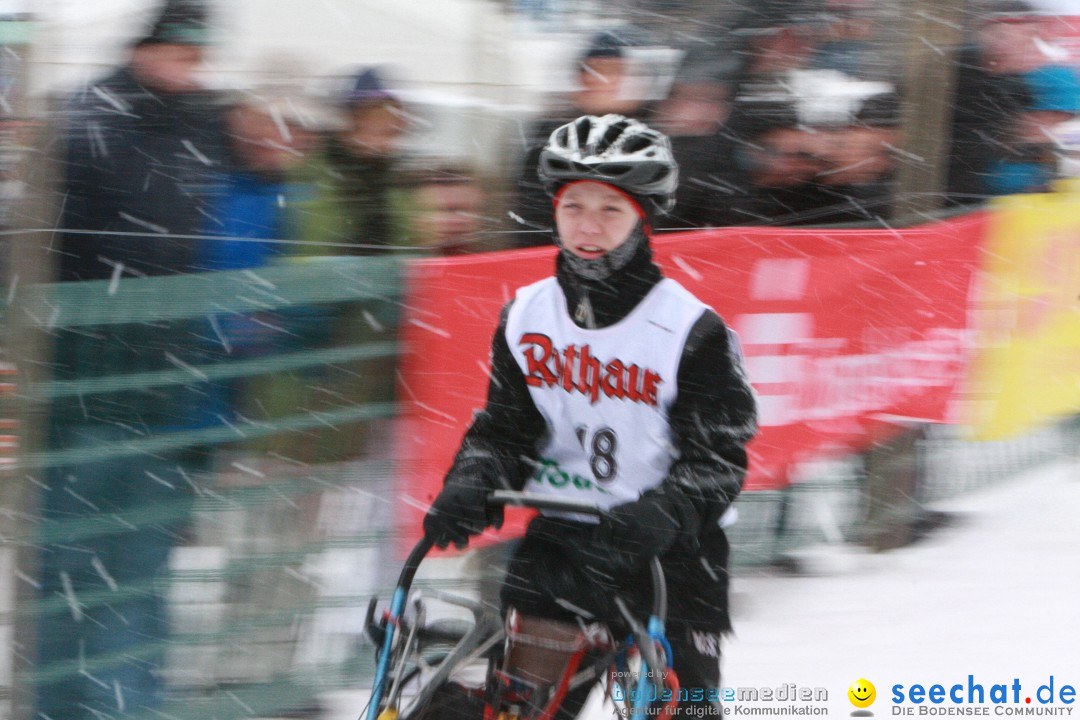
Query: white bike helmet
[612, 149]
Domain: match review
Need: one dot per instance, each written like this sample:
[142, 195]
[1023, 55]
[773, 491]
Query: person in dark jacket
[614, 386]
[989, 98]
[143, 150]
[360, 205]
[1030, 159]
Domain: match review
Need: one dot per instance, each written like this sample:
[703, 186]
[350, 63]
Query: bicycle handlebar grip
[541, 502]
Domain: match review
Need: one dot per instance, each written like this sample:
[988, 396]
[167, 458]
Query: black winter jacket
[139, 175]
[140, 168]
[713, 418]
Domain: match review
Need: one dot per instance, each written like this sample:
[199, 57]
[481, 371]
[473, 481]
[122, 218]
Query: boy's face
[594, 218]
[786, 157]
[167, 67]
[265, 144]
[449, 215]
[1008, 45]
[604, 87]
[376, 130]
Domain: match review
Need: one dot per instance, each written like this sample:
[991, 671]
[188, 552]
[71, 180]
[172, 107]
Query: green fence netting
[272, 391]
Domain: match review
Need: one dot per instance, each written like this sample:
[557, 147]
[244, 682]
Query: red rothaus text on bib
[575, 369]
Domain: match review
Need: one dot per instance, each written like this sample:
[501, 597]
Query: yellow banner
[1026, 371]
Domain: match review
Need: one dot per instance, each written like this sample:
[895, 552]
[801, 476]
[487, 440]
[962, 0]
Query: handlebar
[542, 502]
[536, 501]
[497, 498]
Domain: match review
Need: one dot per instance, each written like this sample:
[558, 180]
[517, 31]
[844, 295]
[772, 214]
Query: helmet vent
[582, 129]
[637, 144]
[615, 170]
[613, 133]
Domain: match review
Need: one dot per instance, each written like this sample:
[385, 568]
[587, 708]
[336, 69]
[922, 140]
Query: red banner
[846, 334]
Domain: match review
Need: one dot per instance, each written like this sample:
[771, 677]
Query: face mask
[603, 267]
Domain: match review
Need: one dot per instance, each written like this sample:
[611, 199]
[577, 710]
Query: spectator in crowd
[137, 143]
[1014, 37]
[777, 36]
[847, 42]
[860, 161]
[777, 160]
[359, 207]
[822, 156]
[990, 95]
[697, 106]
[143, 148]
[448, 211]
[1030, 159]
[604, 85]
[604, 72]
[272, 130]
[694, 116]
[798, 147]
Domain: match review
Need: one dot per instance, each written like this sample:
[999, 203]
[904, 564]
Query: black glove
[635, 532]
[459, 512]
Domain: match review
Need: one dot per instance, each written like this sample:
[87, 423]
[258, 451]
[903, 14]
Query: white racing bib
[605, 393]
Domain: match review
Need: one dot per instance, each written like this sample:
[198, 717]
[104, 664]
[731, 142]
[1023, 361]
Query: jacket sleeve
[500, 446]
[713, 418]
[87, 157]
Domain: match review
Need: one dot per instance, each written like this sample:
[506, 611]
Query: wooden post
[30, 211]
[894, 472]
[931, 42]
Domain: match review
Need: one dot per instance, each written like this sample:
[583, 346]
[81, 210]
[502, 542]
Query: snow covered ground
[993, 595]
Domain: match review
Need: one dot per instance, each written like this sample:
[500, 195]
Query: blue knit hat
[368, 85]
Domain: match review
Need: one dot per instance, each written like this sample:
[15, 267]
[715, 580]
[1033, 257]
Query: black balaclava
[608, 264]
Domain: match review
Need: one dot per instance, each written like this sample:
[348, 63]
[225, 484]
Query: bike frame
[648, 640]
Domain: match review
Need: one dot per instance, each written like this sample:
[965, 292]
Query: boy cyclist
[611, 384]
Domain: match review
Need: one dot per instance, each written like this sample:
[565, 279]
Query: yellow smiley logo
[862, 693]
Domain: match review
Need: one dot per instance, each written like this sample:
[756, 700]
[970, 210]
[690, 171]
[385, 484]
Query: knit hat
[181, 22]
[768, 16]
[605, 44]
[368, 85]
